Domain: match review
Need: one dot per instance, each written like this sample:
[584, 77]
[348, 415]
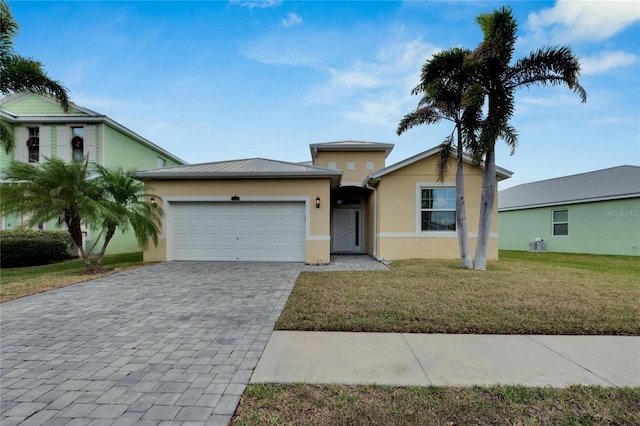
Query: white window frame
[351, 165]
[420, 186]
[370, 165]
[554, 222]
[332, 165]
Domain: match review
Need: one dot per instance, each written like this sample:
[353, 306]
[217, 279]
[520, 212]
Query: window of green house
[77, 143]
[560, 222]
[33, 144]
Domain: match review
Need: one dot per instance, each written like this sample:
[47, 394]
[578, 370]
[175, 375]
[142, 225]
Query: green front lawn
[534, 293]
[20, 282]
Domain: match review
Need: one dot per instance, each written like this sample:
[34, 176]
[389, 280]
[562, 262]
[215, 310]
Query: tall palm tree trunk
[486, 210]
[461, 210]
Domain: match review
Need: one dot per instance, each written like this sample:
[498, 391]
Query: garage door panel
[238, 231]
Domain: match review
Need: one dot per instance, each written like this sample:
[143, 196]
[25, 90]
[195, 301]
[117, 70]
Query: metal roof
[349, 146]
[242, 169]
[600, 185]
[501, 173]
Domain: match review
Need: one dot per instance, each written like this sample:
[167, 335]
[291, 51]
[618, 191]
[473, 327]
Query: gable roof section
[600, 185]
[77, 114]
[501, 173]
[251, 168]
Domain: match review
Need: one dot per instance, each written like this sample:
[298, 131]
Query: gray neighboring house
[596, 212]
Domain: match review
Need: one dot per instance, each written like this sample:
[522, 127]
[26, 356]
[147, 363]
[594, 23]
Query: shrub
[26, 247]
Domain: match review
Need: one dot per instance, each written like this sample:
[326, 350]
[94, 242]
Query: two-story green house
[43, 130]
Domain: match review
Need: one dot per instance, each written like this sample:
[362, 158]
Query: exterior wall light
[317, 202]
[152, 200]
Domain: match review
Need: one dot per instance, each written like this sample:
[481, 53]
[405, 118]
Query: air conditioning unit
[537, 245]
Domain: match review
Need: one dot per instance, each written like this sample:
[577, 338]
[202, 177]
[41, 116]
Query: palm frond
[446, 147]
[425, 115]
[548, 66]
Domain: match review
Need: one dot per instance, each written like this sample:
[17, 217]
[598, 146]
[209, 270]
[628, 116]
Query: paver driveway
[170, 343]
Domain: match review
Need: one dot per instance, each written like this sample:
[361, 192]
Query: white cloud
[259, 4]
[273, 52]
[570, 21]
[605, 61]
[292, 20]
[377, 91]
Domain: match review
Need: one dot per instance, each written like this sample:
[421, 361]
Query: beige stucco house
[346, 200]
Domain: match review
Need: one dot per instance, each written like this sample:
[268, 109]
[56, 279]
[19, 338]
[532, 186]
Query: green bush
[26, 247]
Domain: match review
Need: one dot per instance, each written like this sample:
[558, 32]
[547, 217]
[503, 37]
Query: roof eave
[333, 176]
[501, 173]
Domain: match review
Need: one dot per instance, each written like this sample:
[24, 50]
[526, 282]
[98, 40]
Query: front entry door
[346, 235]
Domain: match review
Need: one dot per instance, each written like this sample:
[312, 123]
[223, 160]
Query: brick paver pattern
[172, 343]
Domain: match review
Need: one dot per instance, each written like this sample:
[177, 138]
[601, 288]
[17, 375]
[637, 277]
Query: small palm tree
[444, 81]
[498, 80]
[20, 74]
[124, 205]
[69, 193]
[53, 190]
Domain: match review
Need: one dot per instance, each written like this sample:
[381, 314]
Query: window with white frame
[438, 209]
[560, 222]
[161, 162]
[77, 143]
[33, 144]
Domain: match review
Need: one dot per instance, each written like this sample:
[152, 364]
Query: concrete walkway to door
[171, 343]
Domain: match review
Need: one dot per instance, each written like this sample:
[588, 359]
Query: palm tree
[547, 66]
[69, 193]
[53, 190]
[444, 80]
[124, 199]
[20, 74]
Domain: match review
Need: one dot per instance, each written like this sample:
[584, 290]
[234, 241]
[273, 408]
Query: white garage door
[238, 231]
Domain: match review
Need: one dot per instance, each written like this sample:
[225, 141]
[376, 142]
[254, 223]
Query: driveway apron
[171, 343]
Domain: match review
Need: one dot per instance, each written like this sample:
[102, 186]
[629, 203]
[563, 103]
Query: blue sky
[222, 80]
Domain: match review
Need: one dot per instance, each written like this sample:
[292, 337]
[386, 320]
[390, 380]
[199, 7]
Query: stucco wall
[399, 232]
[360, 160]
[317, 245]
[606, 227]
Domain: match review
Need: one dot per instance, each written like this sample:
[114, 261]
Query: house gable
[31, 104]
[399, 192]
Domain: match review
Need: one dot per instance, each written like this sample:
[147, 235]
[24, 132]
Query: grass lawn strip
[523, 293]
[20, 282]
[303, 404]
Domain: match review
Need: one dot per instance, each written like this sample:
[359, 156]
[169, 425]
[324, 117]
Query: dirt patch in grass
[302, 404]
[520, 294]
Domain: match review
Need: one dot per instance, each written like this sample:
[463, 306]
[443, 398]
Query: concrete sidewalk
[448, 360]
